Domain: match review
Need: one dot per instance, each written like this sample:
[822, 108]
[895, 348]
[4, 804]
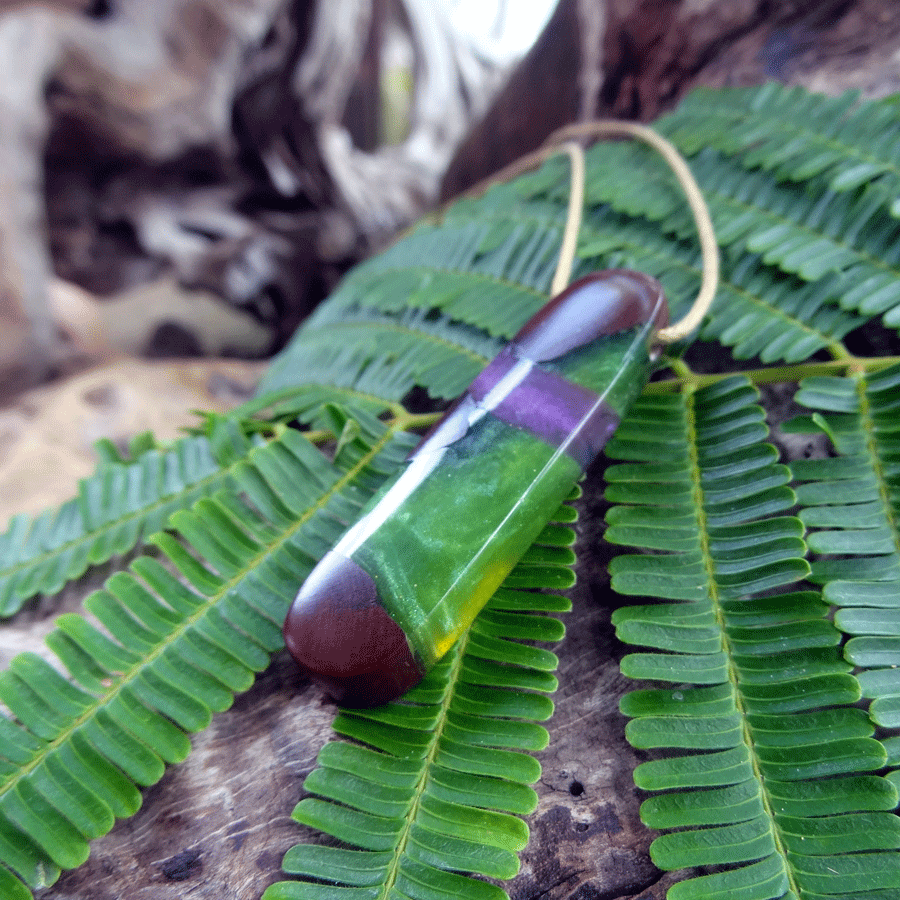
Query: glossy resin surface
[435, 543]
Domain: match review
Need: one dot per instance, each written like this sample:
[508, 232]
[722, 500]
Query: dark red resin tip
[340, 634]
[602, 303]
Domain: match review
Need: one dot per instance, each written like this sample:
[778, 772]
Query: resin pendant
[438, 539]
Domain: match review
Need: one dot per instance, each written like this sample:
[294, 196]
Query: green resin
[453, 541]
[617, 367]
[438, 558]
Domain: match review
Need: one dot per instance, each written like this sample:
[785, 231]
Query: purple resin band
[550, 407]
[546, 404]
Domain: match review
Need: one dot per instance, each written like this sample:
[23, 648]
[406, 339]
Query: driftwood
[217, 825]
[627, 59]
[215, 141]
[153, 79]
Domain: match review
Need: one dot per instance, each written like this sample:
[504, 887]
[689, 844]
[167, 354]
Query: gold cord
[563, 274]
[564, 141]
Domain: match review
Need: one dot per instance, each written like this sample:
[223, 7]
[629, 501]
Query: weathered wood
[248, 100]
[151, 80]
[651, 54]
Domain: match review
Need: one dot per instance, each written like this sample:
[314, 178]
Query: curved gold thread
[565, 141]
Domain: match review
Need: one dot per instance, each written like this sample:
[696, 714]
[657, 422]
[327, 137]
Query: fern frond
[757, 312]
[438, 787]
[369, 360]
[371, 343]
[794, 134]
[757, 698]
[807, 230]
[853, 507]
[450, 268]
[174, 646]
[804, 230]
[115, 509]
[778, 319]
[416, 314]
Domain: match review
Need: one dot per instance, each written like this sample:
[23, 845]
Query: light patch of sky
[507, 28]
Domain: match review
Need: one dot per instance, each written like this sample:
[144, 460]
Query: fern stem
[427, 763]
[405, 421]
[684, 372]
[771, 375]
[840, 352]
[727, 646]
[401, 420]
